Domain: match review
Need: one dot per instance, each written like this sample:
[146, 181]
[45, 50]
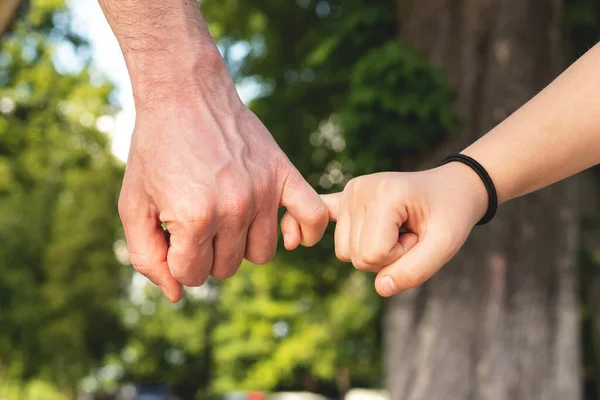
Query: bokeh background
[346, 87]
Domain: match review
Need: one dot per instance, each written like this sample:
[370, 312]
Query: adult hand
[204, 165]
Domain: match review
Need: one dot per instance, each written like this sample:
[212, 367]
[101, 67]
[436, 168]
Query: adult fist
[210, 171]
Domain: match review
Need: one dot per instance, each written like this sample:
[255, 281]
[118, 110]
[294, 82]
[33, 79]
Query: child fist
[402, 226]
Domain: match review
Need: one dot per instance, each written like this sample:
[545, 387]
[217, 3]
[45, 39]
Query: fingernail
[388, 286]
[166, 293]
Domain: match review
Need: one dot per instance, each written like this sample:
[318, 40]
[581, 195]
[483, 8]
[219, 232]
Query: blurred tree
[341, 97]
[279, 331]
[8, 10]
[59, 277]
[582, 28]
[168, 344]
[501, 320]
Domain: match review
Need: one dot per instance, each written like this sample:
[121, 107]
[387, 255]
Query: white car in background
[367, 394]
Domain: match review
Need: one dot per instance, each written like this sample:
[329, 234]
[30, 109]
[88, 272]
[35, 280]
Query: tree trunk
[343, 381]
[8, 9]
[590, 280]
[501, 320]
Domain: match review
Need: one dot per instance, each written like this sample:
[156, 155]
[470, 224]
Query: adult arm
[200, 161]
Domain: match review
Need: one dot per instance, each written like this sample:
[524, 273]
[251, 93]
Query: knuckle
[143, 269]
[361, 265]
[197, 216]
[224, 273]
[360, 182]
[382, 188]
[124, 207]
[228, 268]
[240, 205]
[284, 169]
[140, 263]
[342, 255]
[261, 257]
[189, 278]
[261, 248]
[319, 217]
[373, 256]
[264, 185]
[351, 185]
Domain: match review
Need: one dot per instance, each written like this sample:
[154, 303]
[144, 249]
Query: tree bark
[8, 9]
[501, 320]
[590, 280]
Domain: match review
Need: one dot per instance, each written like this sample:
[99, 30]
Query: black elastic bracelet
[487, 181]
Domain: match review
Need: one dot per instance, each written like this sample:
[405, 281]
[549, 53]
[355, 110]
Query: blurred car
[296, 396]
[245, 396]
[367, 394]
[145, 392]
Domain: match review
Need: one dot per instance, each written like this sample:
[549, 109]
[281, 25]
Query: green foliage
[32, 390]
[582, 26]
[168, 344]
[59, 278]
[330, 76]
[276, 329]
[341, 97]
[387, 104]
[399, 107]
[582, 31]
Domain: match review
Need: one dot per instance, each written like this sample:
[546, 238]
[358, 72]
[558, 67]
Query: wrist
[195, 75]
[506, 176]
[164, 44]
[467, 184]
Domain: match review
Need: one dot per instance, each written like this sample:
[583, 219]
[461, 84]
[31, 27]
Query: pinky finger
[292, 234]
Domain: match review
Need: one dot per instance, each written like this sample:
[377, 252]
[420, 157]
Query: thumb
[332, 202]
[305, 206]
[433, 250]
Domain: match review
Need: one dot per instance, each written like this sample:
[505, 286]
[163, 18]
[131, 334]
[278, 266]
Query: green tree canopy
[59, 279]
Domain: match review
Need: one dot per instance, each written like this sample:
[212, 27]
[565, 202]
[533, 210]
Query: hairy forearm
[165, 44]
[555, 135]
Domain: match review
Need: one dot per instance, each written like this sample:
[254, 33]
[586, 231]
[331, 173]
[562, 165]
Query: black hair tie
[487, 181]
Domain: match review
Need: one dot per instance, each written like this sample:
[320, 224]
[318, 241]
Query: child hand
[402, 226]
